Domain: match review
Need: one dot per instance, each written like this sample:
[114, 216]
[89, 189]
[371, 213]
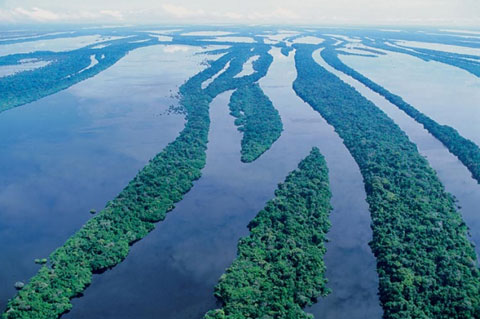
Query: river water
[73, 151]
[172, 272]
[454, 176]
[351, 267]
[447, 94]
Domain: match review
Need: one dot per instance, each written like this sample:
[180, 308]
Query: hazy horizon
[409, 13]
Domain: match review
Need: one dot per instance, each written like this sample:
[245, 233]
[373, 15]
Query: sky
[452, 13]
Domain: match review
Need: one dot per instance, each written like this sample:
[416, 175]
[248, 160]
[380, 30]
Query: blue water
[73, 151]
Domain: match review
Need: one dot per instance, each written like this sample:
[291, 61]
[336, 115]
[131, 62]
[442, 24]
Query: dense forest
[279, 268]
[426, 265]
[104, 240]
[466, 150]
[66, 69]
[461, 61]
[257, 118]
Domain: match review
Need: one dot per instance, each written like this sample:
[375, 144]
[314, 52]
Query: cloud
[42, 15]
[277, 14]
[112, 13]
[229, 15]
[36, 14]
[182, 12]
[5, 16]
[406, 12]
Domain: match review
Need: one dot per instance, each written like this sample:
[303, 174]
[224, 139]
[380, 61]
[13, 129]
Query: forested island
[466, 150]
[105, 240]
[279, 269]
[257, 118]
[426, 264]
[425, 257]
[466, 62]
[66, 69]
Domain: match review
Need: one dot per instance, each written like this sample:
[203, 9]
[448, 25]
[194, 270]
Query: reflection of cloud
[176, 48]
[161, 37]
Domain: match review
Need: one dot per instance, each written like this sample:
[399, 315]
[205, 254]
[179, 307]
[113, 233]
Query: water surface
[75, 150]
[452, 173]
[172, 272]
[447, 94]
[351, 267]
[55, 45]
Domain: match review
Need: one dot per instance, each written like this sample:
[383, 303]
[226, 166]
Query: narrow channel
[174, 269]
[454, 176]
[77, 149]
[351, 267]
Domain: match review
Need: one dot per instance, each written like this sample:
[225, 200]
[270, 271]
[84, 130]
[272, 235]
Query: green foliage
[279, 268]
[41, 261]
[66, 69]
[462, 61]
[426, 264]
[466, 150]
[105, 239]
[257, 119]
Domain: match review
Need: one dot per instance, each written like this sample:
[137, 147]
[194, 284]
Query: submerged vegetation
[466, 150]
[257, 118]
[279, 268]
[426, 264]
[105, 239]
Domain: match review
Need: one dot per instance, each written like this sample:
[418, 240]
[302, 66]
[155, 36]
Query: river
[447, 94]
[454, 176]
[75, 150]
[172, 272]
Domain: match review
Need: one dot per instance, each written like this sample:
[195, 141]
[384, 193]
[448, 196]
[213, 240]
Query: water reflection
[454, 176]
[173, 270]
[55, 45]
[446, 94]
[75, 150]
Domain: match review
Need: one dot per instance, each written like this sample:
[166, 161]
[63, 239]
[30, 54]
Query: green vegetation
[427, 266]
[71, 67]
[461, 61]
[104, 240]
[41, 261]
[257, 119]
[19, 285]
[279, 268]
[466, 150]
[66, 69]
